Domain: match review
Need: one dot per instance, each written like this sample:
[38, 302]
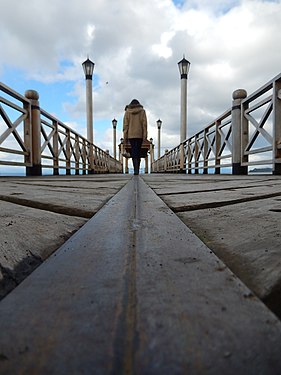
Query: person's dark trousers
[135, 153]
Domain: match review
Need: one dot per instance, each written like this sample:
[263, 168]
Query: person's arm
[125, 127]
[144, 126]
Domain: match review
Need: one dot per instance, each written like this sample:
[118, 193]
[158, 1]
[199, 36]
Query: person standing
[135, 130]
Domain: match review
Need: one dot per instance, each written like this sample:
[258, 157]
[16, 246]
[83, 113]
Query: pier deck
[167, 277]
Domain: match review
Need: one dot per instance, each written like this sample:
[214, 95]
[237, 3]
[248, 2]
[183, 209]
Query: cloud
[136, 48]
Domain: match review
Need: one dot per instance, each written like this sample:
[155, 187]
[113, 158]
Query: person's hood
[134, 109]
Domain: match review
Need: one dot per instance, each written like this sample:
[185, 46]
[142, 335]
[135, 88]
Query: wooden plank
[135, 291]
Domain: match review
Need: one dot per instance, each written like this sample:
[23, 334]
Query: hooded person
[135, 130]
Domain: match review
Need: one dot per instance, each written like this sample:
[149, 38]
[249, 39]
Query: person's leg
[138, 158]
[135, 153]
[135, 164]
[139, 143]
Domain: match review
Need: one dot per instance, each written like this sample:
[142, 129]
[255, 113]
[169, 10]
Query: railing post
[67, 162]
[121, 157]
[218, 147]
[77, 154]
[236, 121]
[114, 124]
[182, 158]
[95, 161]
[106, 168]
[196, 153]
[166, 161]
[189, 157]
[91, 158]
[126, 165]
[56, 149]
[28, 134]
[276, 149]
[146, 164]
[205, 153]
[151, 151]
[244, 133]
[84, 157]
[100, 159]
[36, 169]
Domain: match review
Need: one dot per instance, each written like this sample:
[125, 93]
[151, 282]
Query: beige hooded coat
[135, 122]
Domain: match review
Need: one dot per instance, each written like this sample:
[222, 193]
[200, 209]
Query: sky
[136, 47]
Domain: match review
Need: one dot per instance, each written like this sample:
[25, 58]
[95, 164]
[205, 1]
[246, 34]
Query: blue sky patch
[178, 3]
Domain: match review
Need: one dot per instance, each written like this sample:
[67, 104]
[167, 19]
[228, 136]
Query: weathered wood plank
[135, 291]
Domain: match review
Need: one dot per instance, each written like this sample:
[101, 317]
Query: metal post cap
[239, 94]
[31, 94]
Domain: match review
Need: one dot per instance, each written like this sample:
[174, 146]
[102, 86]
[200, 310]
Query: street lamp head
[159, 123]
[88, 67]
[151, 140]
[184, 67]
[121, 140]
[114, 123]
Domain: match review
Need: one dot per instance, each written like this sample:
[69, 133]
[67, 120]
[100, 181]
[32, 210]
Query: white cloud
[162, 49]
[136, 47]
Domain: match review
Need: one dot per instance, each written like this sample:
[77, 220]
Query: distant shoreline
[261, 170]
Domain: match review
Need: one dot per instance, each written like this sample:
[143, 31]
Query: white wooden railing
[31, 137]
[247, 134]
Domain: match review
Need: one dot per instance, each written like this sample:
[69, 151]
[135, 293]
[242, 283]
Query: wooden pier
[168, 274]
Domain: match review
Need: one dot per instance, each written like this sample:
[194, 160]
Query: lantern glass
[88, 67]
[159, 123]
[184, 66]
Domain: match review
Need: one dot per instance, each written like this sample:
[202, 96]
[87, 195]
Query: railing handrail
[53, 118]
[34, 121]
[242, 132]
[9, 91]
[254, 95]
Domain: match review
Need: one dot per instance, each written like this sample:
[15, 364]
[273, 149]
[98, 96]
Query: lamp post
[120, 146]
[151, 155]
[114, 124]
[159, 123]
[121, 150]
[88, 67]
[151, 150]
[183, 68]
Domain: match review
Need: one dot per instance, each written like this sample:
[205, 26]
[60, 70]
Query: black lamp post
[114, 124]
[184, 66]
[88, 67]
[159, 123]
